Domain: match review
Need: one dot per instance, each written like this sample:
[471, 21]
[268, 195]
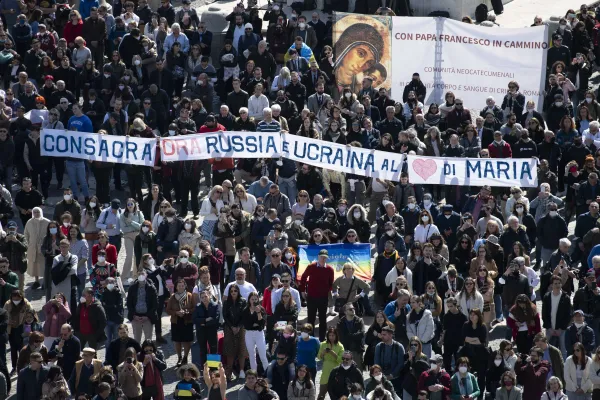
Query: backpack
[481, 13]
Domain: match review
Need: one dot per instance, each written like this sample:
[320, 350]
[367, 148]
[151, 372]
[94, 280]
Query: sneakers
[36, 285]
[332, 312]
[242, 375]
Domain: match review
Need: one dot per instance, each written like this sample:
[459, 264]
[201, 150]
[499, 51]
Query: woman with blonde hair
[483, 258]
[554, 388]
[180, 307]
[302, 203]
[211, 206]
[160, 215]
[247, 201]
[485, 286]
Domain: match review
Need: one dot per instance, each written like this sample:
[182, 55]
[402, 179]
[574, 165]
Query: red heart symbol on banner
[424, 168]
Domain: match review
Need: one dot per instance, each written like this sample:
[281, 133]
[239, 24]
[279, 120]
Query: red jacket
[72, 31]
[495, 150]
[428, 379]
[532, 328]
[111, 253]
[321, 280]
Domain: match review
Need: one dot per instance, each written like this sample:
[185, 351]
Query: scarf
[465, 384]
[181, 299]
[152, 378]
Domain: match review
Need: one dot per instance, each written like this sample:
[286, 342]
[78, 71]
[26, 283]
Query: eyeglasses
[130, 204]
[147, 103]
[302, 195]
[275, 255]
[469, 284]
[163, 207]
[281, 358]
[285, 296]
[351, 235]
[458, 104]
[285, 281]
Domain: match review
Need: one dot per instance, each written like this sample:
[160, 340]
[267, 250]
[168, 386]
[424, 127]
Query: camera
[129, 360]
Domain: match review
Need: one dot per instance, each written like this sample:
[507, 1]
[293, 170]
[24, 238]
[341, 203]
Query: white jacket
[476, 303]
[206, 209]
[422, 233]
[594, 376]
[390, 278]
[248, 205]
[424, 329]
[571, 376]
[256, 105]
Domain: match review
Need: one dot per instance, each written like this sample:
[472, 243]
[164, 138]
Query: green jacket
[455, 390]
[12, 282]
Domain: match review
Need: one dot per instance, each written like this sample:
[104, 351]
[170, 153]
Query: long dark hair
[576, 359]
[308, 383]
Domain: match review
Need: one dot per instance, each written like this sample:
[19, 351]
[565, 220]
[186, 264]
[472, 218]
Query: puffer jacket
[424, 329]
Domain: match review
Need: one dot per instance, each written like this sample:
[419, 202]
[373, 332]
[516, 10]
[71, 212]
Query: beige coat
[35, 231]
[129, 382]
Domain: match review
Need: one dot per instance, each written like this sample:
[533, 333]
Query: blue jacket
[85, 7]
[595, 252]
[257, 190]
[390, 309]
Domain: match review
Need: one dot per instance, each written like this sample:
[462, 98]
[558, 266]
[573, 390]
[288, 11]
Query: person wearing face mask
[16, 309]
[297, 232]
[168, 232]
[89, 320]
[70, 205]
[185, 269]
[591, 104]
[347, 372]
[435, 381]
[357, 220]
[463, 383]
[112, 303]
[142, 304]
[579, 332]
[36, 344]
[508, 387]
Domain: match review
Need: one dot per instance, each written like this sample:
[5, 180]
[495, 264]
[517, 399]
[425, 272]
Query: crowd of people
[451, 263]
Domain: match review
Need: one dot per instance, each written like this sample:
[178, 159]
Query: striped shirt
[264, 126]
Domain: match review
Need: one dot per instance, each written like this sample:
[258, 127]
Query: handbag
[340, 303]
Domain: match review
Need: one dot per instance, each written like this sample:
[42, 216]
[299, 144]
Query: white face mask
[188, 226]
[578, 325]
[101, 259]
[411, 206]
[170, 219]
[347, 95]
[172, 133]
[378, 377]
[357, 214]
[342, 209]
[390, 232]
[529, 109]
[425, 218]
[121, 87]
[497, 362]
[66, 224]
[137, 62]
[553, 213]
[433, 367]
[279, 163]
[92, 102]
[146, 48]
[110, 286]
[82, 299]
[145, 229]
[92, 204]
[288, 255]
[304, 335]
[67, 197]
[107, 76]
[426, 202]
[183, 260]
[356, 397]
[559, 103]
[447, 216]
[302, 25]
[298, 222]
[151, 261]
[462, 370]
[142, 278]
[16, 302]
[519, 210]
[588, 99]
[346, 366]
[431, 292]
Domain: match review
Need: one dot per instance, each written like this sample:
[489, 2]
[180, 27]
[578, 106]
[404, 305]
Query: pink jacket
[62, 313]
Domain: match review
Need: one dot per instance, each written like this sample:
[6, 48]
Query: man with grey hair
[268, 124]
[225, 118]
[490, 105]
[276, 113]
[592, 134]
[260, 188]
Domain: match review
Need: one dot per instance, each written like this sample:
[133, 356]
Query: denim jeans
[116, 241]
[111, 331]
[76, 172]
[558, 342]
[498, 306]
[287, 186]
[81, 285]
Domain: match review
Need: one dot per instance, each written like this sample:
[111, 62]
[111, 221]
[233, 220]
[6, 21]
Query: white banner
[348, 159]
[92, 146]
[505, 172]
[203, 146]
[471, 61]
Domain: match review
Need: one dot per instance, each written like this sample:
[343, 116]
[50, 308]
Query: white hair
[564, 242]
[244, 109]
[267, 110]
[262, 43]
[595, 124]
[595, 259]
[225, 106]
[274, 107]
[175, 26]
[511, 219]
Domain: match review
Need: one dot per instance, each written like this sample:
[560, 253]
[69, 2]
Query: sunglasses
[219, 192]
[285, 281]
[275, 255]
[351, 235]
[233, 291]
[464, 242]
[280, 358]
[303, 195]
